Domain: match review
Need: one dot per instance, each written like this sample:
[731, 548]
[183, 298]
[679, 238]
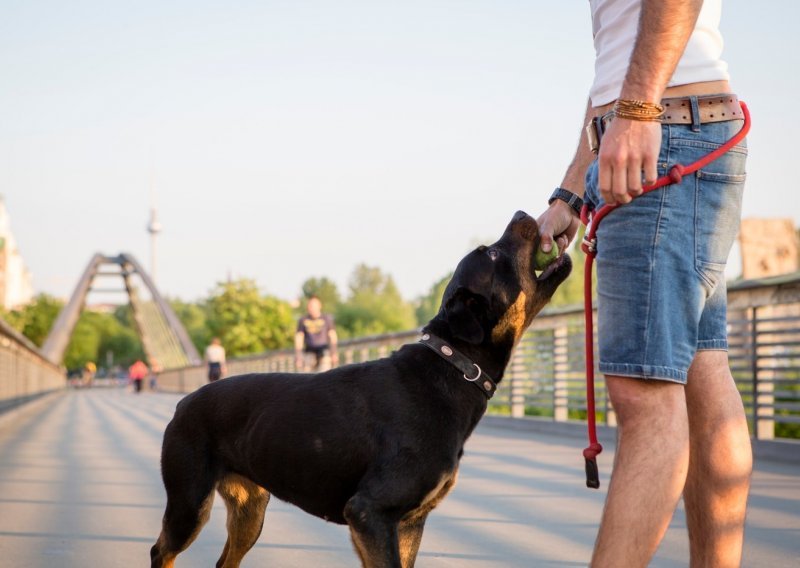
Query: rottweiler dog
[373, 445]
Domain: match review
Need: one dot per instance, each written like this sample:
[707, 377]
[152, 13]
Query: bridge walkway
[80, 486]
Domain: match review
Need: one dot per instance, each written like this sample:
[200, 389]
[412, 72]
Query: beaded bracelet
[637, 110]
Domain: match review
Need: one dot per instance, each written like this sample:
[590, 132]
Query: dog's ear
[463, 316]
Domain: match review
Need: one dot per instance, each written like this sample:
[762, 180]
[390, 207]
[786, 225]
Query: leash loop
[589, 246]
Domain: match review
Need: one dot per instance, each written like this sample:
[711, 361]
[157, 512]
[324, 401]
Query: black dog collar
[472, 372]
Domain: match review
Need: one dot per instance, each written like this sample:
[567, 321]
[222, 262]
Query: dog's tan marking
[246, 503]
[515, 319]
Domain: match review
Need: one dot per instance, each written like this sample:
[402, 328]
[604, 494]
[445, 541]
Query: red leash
[589, 246]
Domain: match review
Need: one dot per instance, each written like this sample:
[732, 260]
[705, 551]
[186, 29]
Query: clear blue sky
[297, 138]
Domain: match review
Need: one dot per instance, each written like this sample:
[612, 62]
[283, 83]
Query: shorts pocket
[717, 217]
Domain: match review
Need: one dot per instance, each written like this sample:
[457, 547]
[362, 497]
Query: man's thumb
[546, 243]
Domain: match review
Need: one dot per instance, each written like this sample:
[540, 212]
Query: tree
[97, 334]
[375, 305]
[247, 322]
[35, 319]
[194, 317]
[428, 305]
[570, 292]
[324, 289]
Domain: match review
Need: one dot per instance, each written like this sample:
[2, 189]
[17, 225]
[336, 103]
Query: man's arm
[333, 341]
[631, 147]
[299, 340]
[559, 223]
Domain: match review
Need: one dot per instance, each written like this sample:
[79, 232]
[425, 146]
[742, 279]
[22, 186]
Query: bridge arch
[164, 338]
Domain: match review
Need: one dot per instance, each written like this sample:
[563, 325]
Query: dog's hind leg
[373, 532]
[246, 503]
[189, 479]
[183, 519]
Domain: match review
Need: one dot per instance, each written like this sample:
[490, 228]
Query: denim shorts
[661, 293]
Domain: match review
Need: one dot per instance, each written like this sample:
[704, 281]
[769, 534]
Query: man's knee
[639, 399]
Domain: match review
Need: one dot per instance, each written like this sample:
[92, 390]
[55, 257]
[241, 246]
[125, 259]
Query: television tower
[153, 227]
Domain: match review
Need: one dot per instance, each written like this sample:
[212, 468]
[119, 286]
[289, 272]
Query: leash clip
[589, 246]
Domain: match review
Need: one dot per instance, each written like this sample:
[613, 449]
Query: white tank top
[614, 24]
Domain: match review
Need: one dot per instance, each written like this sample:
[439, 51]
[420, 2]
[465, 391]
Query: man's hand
[557, 225]
[630, 149]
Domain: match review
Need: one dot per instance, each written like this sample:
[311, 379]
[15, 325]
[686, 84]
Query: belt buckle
[593, 133]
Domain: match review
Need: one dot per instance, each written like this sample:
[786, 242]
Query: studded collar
[472, 372]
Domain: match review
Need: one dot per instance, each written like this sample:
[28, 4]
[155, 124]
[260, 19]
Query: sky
[282, 140]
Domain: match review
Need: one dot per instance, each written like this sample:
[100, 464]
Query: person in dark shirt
[315, 343]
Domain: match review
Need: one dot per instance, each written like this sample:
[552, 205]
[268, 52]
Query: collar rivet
[446, 350]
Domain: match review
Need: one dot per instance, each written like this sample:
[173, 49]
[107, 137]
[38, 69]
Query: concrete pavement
[80, 486]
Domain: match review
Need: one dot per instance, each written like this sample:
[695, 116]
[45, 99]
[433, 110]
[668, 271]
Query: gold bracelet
[638, 110]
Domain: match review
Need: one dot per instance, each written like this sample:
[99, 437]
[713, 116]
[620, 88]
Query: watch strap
[571, 199]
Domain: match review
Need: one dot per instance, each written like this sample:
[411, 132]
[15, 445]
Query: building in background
[769, 247]
[16, 282]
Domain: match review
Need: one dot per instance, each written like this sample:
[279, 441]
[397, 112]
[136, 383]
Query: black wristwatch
[567, 197]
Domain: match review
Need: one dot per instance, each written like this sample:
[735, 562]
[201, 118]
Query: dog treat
[543, 259]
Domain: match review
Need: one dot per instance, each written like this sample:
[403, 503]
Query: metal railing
[24, 372]
[545, 377]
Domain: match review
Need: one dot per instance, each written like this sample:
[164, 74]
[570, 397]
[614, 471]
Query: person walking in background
[660, 97]
[89, 371]
[137, 373]
[215, 359]
[316, 342]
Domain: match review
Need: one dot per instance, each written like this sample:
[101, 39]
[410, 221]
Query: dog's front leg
[374, 534]
[410, 536]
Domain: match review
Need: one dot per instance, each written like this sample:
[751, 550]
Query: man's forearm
[664, 30]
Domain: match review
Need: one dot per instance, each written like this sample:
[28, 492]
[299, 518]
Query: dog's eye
[492, 253]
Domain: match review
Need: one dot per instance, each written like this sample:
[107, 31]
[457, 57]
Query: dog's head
[495, 293]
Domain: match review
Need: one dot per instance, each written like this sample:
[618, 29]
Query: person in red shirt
[137, 372]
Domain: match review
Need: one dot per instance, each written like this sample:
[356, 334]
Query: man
[316, 337]
[215, 359]
[660, 273]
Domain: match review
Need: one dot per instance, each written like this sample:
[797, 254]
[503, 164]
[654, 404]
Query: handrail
[25, 373]
[545, 377]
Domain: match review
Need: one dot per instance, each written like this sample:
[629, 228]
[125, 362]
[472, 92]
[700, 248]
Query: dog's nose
[519, 216]
[522, 225]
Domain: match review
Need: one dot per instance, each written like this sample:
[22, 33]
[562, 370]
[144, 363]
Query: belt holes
[723, 114]
[685, 117]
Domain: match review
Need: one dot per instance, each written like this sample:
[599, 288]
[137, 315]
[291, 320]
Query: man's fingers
[650, 172]
[562, 242]
[634, 179]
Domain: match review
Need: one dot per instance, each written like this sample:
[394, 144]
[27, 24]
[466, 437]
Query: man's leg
[720, 463]
[649, 470]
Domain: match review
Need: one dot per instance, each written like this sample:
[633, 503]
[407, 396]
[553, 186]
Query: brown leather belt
[677, 110]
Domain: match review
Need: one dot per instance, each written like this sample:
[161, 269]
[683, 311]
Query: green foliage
[428, 305]
[326, 290]
[96, 334]
[375, 305]
[194, 317]
[36, 318]
[247, 322]
[570, 293]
